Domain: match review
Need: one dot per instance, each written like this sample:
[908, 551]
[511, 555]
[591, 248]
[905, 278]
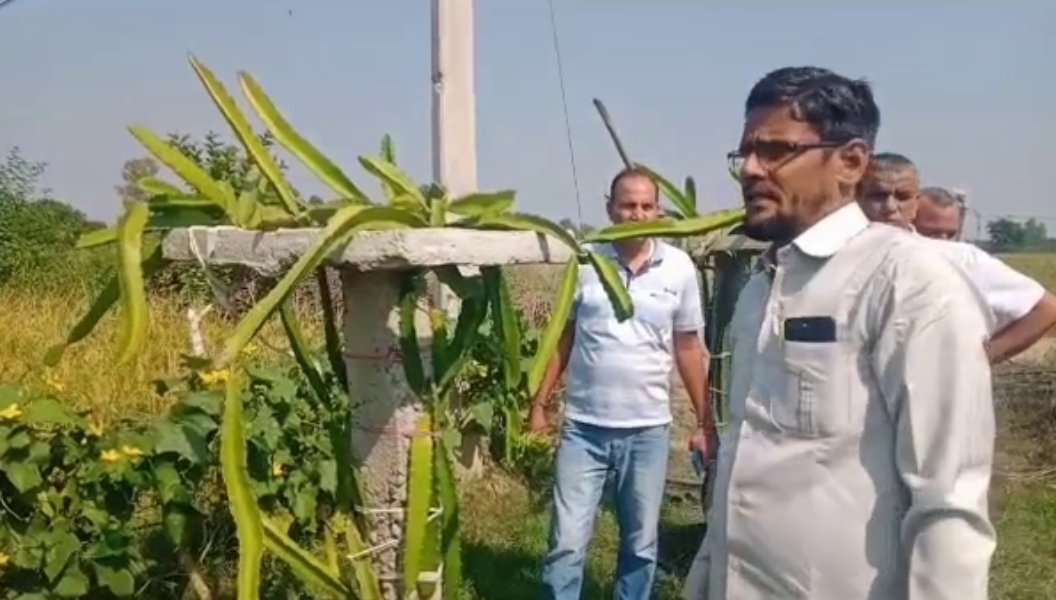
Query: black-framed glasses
[771, 154]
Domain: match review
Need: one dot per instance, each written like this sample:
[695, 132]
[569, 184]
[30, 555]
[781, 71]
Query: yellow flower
[11, 413]
[4, 560]
[111, 456]
[131, 451]
[251, 349]
[276, 469]
[95, 429]
[212, 377]
[53, 383]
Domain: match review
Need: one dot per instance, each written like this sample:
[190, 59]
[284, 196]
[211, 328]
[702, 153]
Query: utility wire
[564, 105]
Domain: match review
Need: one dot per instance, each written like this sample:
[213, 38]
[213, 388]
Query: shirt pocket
[815, 398]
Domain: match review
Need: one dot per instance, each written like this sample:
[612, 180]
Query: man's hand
[537, 421]
[705, 441]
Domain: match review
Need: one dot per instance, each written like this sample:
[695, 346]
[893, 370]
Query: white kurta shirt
[858, 460]
[1009, 294]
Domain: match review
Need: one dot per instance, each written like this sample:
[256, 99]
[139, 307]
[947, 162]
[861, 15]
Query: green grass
[506, 535]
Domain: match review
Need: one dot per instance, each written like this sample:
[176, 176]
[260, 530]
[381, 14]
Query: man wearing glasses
[1021, 310]
[858, 459]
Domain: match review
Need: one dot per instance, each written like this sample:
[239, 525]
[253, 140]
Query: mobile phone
[699, 463]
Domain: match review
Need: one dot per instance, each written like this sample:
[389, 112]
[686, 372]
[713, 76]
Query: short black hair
[628, 172]
[890, 161]
[941, 196]
[840, 109]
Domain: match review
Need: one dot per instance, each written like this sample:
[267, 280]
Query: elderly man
[617, 415]
[1022, 311]
[859, 453]
[940, 214]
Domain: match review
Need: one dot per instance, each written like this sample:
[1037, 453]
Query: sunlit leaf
[242, 502]
[671, 191]
[130, 275]
[254, 147]
[525, 222]
[612, 283]
[307, 567]
[419, 499]
[480, 204]
[559, 319]
[187, 170]
[398, 181]
[287, 136]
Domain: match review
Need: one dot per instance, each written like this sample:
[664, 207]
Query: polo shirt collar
[656, 256]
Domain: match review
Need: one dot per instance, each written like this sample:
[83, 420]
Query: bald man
[1021, 310]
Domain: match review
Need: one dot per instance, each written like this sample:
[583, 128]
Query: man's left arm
[934, 377]
[1024, 310]
[691, 358]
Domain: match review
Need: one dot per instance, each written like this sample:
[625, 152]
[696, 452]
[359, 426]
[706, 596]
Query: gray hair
[941, 197]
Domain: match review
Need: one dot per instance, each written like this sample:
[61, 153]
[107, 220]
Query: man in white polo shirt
[1022, 311]
[617, 419]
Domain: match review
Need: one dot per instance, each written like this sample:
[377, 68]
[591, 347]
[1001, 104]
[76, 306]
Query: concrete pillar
[385, 412]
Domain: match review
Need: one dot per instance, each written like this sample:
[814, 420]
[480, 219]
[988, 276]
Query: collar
[831, 233]
[823, 239]
[656, 254]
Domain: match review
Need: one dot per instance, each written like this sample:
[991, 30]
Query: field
[507, 534]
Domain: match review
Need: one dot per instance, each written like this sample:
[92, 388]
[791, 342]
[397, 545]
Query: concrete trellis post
[386, 409]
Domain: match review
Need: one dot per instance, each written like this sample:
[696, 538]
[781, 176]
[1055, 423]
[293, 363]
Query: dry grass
[1041, 267]
[87, 375]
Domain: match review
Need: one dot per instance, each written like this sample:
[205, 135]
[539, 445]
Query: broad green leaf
[671, 191]
[102, 304]
[254, 147]
[184, 167]
[74, 584]
[130, 275]
[157, 187]
[504, 315]
[24, 476]
[336, 232]
[399, 182]
[481, 204]
[287, 136]
[409, 349]
[119, 581]
[419, 499]
[525, 222]
[450, 540]
[307, 567]
[612, 283]
[566, 297]
[63, 546]
[243, 504]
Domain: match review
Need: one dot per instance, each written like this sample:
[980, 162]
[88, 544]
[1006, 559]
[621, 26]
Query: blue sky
[968, 93]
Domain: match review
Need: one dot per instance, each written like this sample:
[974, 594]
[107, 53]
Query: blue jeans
[587, 454]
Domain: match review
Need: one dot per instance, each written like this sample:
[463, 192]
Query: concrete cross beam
[386, 410]
[271, 252]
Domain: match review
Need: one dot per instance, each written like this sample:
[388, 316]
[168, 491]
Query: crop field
[506, 537]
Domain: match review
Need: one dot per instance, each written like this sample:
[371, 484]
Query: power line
[564, 105]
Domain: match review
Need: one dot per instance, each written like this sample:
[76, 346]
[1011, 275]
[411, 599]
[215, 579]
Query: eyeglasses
[771, 154]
